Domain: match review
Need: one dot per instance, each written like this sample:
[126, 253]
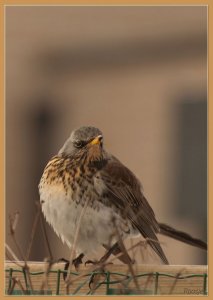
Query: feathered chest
[65, 187]
[70, 179]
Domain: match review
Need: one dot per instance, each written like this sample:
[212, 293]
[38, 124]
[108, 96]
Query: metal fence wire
[20, 281]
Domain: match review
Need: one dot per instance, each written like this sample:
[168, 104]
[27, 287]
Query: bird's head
[86, 138]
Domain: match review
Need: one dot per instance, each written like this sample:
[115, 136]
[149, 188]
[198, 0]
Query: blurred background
[140, 75]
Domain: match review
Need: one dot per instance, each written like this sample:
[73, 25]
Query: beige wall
[129, 71]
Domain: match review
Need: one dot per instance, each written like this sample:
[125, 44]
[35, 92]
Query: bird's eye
[79, 144]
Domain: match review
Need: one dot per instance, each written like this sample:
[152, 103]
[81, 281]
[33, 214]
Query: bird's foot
[76, 262]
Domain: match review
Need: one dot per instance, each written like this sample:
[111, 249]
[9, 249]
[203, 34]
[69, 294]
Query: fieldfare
[83, 174]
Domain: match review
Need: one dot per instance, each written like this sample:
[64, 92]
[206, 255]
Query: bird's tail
[181, 236]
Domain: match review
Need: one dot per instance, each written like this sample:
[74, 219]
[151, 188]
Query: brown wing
[124, 191]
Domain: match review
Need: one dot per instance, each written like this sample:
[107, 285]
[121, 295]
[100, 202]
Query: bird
[84, 175]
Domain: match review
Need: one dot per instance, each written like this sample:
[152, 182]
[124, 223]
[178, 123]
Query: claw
[62, 260]
[92, 262]
[76, 262]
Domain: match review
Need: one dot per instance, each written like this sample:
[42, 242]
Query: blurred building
[139, 74]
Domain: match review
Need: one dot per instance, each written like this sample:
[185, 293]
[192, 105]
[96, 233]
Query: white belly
[63, 214]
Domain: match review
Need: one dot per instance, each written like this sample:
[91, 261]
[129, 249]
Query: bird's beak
[97, 140]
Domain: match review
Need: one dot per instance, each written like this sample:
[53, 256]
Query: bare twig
[47, 267]
[14, 221]
[20, 285]
[149, 280]
[178, 275]
[124, 250]
[68, 282]
[45, 232]
[25, 267]
[10, 290]
[16, 280]
[11, 252]
[32, 235]
[13, 225]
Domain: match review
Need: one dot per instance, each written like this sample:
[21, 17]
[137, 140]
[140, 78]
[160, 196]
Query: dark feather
[125, 193]
[181, 236]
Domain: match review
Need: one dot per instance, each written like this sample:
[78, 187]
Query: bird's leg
[113, 250]
[116, 250]
[102, 260]
[76, 262]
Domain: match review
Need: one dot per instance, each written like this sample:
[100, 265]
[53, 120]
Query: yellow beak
[96, 140]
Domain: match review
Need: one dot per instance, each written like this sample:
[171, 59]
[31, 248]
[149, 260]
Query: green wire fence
[20, 281]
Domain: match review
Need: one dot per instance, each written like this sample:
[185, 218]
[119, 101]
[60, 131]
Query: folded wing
[122, 189]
